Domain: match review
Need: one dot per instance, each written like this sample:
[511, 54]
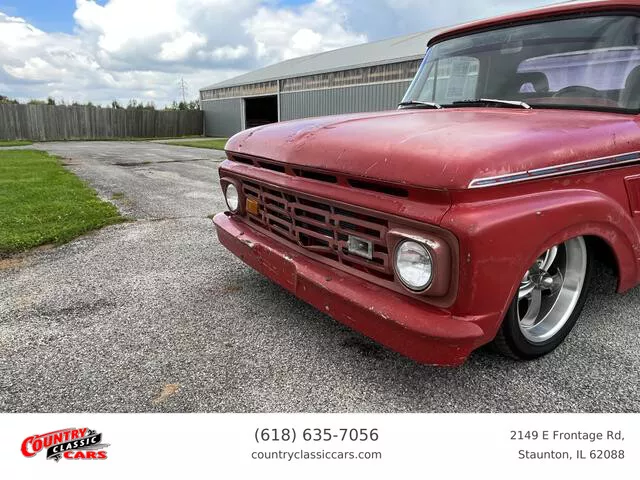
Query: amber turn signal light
[252, 206]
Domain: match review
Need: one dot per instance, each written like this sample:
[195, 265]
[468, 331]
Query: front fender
[500, 239]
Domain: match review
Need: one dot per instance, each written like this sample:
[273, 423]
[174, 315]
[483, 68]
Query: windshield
[585, 62]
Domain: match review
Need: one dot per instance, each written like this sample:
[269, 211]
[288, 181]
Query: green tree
[4, 99]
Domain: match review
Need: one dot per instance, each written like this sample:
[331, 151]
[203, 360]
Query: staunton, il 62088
[473, 213]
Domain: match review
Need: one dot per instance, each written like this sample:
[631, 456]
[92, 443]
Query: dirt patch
[167, 391]
[9, 263]
[232, 289]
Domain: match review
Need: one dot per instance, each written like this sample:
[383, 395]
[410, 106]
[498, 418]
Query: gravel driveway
[154, 315]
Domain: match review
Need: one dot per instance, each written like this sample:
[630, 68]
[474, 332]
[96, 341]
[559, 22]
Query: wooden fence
[48, 122]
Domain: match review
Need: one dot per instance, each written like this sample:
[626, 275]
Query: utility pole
[183, 88]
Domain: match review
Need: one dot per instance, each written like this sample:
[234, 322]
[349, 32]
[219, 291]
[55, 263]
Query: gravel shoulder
[156, 316]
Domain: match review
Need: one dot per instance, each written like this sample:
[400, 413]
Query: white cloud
[179, 48]
[283, 33]
[36, 69]
[225, 53]
[140, 49]
[122, 25]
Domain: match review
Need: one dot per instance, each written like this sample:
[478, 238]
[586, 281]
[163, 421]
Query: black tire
[510, 340]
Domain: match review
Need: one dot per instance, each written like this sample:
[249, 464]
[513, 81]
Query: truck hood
[445, 148]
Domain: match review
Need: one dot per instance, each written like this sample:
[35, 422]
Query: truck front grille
[320, 226]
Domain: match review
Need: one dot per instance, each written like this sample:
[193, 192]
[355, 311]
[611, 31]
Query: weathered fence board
[48, 122]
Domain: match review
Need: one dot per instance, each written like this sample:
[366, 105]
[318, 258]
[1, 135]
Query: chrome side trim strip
[557, 170]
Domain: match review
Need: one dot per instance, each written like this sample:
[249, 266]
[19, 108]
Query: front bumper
[421, 332]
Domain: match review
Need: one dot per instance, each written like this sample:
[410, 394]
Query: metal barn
[363, 78]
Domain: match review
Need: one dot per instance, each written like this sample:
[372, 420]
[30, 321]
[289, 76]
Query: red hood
[442, 148]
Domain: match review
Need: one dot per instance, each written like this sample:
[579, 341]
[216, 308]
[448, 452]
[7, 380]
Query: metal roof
[391, 50]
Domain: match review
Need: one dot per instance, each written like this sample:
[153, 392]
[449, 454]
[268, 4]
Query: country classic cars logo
[70, 443]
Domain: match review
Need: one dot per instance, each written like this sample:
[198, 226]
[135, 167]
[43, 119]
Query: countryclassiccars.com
[474, 212]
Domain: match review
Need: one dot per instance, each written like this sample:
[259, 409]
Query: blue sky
[40, 14]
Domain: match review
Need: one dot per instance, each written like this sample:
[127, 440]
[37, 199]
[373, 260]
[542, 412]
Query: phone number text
[291, 435]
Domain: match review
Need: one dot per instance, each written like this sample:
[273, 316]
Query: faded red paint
[442, 148]
[497, 232]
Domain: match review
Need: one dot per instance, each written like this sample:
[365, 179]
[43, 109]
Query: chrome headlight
[232, 197]
[414, 265]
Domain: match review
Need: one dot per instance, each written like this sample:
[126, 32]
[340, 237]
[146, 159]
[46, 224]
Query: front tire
[549, 301]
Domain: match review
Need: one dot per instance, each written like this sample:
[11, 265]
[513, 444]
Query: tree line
[115, 104]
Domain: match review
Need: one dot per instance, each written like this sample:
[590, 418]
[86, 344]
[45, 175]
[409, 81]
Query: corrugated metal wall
[364, 98]
[222, 118]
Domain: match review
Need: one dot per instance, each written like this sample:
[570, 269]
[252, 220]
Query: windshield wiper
[419, 104]
[494, 101]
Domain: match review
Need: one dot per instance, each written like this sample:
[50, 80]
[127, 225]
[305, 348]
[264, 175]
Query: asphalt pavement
[154, 315]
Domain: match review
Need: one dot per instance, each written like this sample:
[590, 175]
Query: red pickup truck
[474, 212]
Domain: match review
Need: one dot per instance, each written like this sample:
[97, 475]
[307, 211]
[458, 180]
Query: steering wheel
[577, 91]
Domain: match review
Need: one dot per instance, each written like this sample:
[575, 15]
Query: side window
[451, 79]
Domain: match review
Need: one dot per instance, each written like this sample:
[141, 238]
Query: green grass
[15, 143]
[214, 143]
[41, 202]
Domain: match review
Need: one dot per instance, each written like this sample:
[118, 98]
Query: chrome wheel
[550, 290]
